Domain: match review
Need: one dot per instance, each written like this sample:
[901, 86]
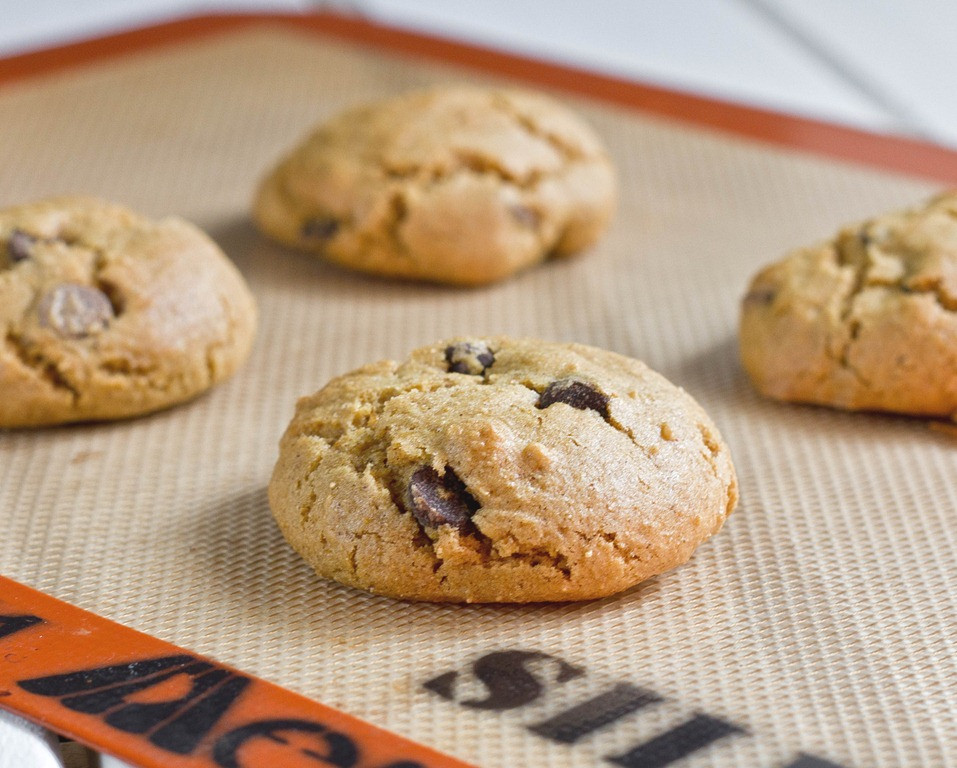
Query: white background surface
[24, 745]
[885, 65]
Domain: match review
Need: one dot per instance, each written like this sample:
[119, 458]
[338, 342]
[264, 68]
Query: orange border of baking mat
[155, 705]
[894, 153]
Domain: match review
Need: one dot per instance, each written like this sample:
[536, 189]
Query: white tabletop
[883, 65]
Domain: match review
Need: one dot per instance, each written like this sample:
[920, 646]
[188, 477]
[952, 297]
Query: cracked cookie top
[106, 314]
[864, 321]
[454, 185]
[500, 470]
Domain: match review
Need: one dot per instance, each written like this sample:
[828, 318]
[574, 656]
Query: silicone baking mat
[816, 629]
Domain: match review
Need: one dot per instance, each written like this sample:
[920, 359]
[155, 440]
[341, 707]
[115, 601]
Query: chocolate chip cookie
[500, 470]
[453, 185]
[106, 314]
[864, 321]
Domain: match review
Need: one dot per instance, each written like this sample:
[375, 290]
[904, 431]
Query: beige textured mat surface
[821, 621]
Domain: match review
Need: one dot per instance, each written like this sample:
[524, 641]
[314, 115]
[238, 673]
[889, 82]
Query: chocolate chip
[760, 297]
[576, 393]
[20, 245]
[877, 233]
[319, 228]
[440, 500]
[75, 311]
[471, 357]
[525, 215]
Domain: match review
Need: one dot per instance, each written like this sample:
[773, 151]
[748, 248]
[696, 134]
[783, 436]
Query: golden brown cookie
[453, 185]
[500, 470]
[106, 314]
[865, 321]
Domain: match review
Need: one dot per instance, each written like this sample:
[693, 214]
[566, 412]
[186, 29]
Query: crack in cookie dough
[934, 287]
[543, 557]
[586, 396]
[45, 369]
[427, 177]
[570, 152]
[497, 469]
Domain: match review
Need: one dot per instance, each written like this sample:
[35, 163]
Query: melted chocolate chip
[319, 228]
[526, 216]
[75, 311]
[576, 393]
[471, 357]
[760, 297]
[20, 245]
[444, 500]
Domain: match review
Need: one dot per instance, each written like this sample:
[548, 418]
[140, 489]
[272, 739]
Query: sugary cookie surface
[454, 185]
[106, 314]
[500, 470]
[865, 321]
